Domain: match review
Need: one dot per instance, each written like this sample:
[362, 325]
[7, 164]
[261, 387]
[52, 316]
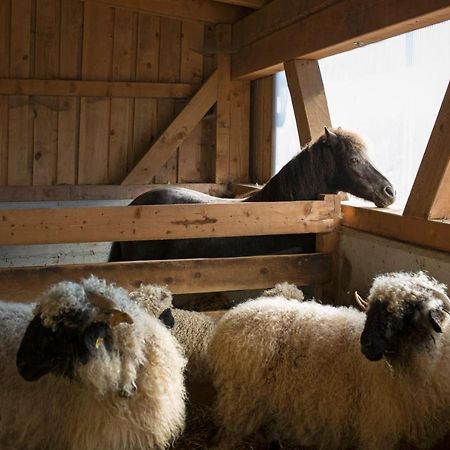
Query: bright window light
[389, 92]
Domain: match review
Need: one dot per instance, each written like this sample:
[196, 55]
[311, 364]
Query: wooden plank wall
[48, 140]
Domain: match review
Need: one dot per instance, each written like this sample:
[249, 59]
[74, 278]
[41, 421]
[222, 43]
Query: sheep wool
[192, 329]
[294, 371]
[129, 396]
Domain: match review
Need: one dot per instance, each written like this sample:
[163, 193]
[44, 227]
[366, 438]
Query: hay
[200, 429]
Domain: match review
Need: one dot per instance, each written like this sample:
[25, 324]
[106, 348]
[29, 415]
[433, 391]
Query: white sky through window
[390, 92]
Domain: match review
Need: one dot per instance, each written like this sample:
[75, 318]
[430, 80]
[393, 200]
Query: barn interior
[102, 100]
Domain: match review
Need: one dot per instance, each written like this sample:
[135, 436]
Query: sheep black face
[75, 340]
[395, 333]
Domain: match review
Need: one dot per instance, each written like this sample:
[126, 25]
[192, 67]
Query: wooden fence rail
[134, 223]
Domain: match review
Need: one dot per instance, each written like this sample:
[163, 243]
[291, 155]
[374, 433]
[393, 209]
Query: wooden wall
[47, 140]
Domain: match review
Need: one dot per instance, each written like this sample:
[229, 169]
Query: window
[389, 92]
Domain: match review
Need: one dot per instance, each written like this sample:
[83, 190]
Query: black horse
[337, 161]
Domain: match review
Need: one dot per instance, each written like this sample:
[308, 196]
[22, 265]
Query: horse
[336, 161]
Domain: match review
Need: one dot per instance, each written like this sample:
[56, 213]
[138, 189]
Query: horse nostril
[389, 191]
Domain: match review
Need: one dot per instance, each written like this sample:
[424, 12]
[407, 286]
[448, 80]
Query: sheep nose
[389, 191]
[371, 351]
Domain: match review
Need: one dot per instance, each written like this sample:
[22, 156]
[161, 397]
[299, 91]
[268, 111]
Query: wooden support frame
[80, 88]
[308, 98]
[98, 192]
[205, 10]
[181, 276]
[134, 223]
[175, 134]
[413, 230]
[255, 4]
[430, 194]
[329, 31]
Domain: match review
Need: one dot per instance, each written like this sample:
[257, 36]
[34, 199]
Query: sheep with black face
[86, 368]
[332, 377]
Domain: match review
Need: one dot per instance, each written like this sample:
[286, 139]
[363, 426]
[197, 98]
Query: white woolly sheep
[192, 329]
[295, 372]
[105, 374]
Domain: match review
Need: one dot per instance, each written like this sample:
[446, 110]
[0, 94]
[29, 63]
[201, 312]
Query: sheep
[334, 377]
[192, 329]
[84, 368]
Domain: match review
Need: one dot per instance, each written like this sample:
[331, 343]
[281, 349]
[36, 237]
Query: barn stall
[101, 100]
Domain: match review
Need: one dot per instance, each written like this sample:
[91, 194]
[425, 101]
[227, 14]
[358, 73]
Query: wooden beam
[181, 276]
[76, 88]
[308, 98]
[175, 134]
[274, 16]
[337, 28]
[414, 230]
[262, 129]
[204, 11]
[97, 192]
[254, 4]
[430, 194]
[134, 223]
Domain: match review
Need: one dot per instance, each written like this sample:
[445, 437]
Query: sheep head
[404, 314]
[70, 326]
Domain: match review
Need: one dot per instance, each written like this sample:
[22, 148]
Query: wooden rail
[181, 276]
[134, 223]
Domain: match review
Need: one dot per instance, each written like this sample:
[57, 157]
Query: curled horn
[107, 310]
[363, 304]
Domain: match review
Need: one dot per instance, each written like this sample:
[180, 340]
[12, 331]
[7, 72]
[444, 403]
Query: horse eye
[354, 160]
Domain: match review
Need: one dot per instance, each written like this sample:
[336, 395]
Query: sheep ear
[166, 317]
[108, 312]
[435, 317]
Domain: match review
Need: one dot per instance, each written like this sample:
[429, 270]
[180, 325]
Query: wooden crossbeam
[430, 194]
[254, 4]
[134, 223]
[205, 10]
[77, 88]
[181, 276]
[175, 134]
[308, 98]
[414, 230]
[337, 28]
[96, 192]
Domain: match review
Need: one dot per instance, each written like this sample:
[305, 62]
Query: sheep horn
[363, 304]
[108, 311]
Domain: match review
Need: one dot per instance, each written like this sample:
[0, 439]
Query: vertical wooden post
[430, 194]
[308, 98]
[262, 130]
[233, 116]
[311, 114]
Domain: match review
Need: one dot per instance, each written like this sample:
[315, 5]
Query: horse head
[354, 173]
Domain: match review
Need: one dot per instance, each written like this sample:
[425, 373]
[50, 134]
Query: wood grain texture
[430, 194]
[20, 143]
[205, 10]
[308, 98]
[99, 224]
[333, 30]
[181, 276]
[5, 34]
[190, 168]
[414, 230]
[70, 58]
[96, 192]
[262, 107]
[169, 71]
[175, 134]
[95, 113]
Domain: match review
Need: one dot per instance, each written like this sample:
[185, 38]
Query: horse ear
[331, 137]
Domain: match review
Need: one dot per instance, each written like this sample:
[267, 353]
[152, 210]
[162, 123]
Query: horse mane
[304, 177]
